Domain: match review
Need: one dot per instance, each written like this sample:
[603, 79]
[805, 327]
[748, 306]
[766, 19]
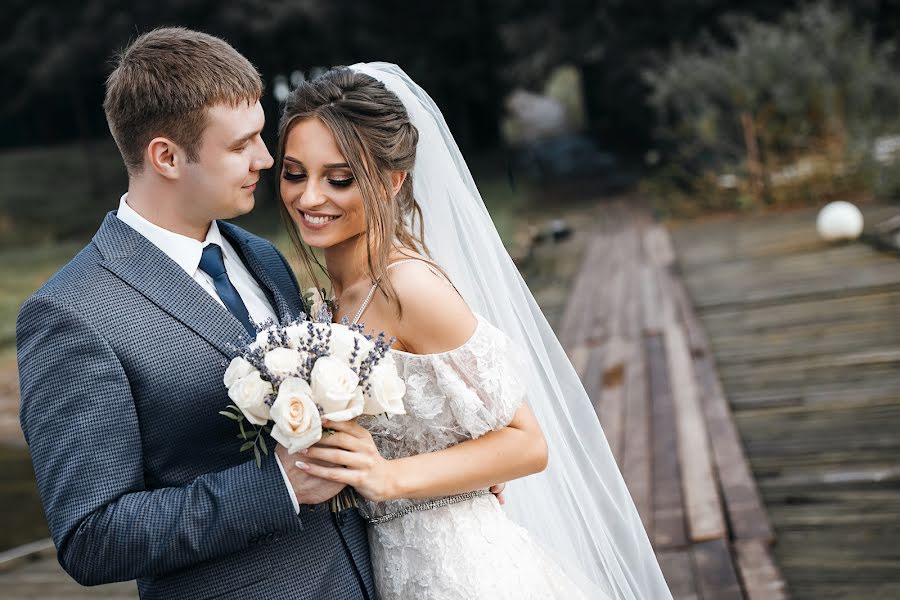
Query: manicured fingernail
[304, 451]
[301, 465]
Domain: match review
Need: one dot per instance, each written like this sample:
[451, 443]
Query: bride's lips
[306, 223]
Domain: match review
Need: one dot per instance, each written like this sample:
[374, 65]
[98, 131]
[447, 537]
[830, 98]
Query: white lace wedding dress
[463, 547]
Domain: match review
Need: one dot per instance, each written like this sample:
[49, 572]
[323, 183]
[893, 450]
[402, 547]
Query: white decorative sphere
[839, 220]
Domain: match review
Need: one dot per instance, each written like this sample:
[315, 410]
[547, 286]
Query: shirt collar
[185, 251]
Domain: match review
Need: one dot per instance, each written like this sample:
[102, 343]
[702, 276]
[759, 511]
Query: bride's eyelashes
[338, 183]
[341, 183]
[288, 176]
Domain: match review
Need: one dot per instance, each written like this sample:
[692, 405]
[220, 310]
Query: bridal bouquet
[295, 375]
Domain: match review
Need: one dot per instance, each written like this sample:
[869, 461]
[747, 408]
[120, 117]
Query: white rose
[297, 422]
[249, 393]
[342, 343]
[262, 339]
[386, 390]
[335, 387]
[283, 362]
[297, 335]
[237, 369]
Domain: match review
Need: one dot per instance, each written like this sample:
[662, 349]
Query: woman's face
[318, 188]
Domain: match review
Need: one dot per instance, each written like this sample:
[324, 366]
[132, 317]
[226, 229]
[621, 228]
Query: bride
[370, 174]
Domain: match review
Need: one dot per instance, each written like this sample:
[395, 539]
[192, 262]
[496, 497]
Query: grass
[22, 271]
[57, 192]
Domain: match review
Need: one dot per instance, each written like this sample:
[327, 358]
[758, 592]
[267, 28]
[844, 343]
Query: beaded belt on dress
[426, 506]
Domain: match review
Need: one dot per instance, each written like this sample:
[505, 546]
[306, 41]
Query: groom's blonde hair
[165, 82]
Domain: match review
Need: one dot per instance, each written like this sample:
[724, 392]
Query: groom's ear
[165, 157]
[397, 179]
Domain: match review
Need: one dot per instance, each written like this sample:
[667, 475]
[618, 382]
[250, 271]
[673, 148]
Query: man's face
[221, 183]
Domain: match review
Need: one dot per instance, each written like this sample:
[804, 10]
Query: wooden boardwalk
[615, 300]
[644, 358]
[806, 336]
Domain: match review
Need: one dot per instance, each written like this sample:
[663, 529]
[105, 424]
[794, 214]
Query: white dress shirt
[186, 253]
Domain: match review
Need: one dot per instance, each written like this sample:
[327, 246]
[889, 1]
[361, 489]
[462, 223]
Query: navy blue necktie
[213, 265]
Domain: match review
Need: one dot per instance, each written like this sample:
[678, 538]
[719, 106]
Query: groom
[121, 356]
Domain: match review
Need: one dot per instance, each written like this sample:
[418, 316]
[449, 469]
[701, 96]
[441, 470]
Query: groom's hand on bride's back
[497, 490]
[309, 489]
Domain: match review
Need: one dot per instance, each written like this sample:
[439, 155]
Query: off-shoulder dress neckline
[478, 326]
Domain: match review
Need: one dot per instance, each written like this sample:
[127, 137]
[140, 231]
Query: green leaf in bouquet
[257, 455]
[247, 446]
[230, 415]
[262, 442]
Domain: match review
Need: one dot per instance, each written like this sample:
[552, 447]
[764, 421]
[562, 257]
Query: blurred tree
[468, 53]
[57, 55]
[613, 41]
[814, 87]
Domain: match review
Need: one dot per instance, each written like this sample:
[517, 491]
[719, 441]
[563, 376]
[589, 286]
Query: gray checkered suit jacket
[121, 356]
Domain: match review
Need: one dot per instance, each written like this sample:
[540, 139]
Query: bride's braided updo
[373, 131]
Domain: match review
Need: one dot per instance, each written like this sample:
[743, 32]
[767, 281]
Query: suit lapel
[265, 264]
[144, 267]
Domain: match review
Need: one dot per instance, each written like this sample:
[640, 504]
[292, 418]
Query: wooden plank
[612, 400]
[593, 376]
[805, 337]
[578, 356]
[697, 339]
[637, 451]
[579, 311]
[651, 302]
[716, 577]
[827, 273]
[12, 558]
[747, 515]
[668, 512]
[609, 295]
[658, 246]
[761, 577]
[679, 573]
[636, 467]
[44, 579]
[618, 351]
[574, 315]
[667, 310]
[701, 494]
